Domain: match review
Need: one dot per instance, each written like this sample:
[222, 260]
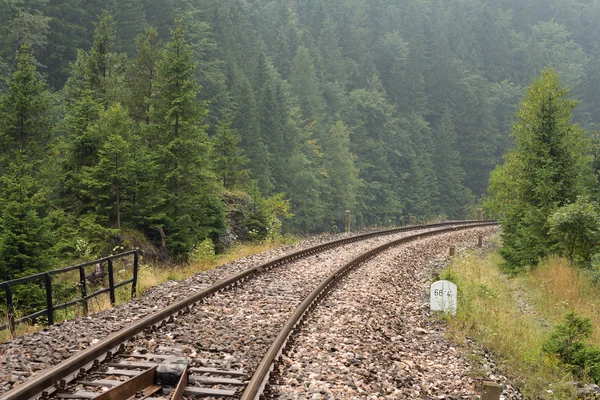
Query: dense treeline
[187, 119]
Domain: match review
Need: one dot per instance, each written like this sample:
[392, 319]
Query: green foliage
[26, 241]
[576, 229]
[25, 124]
[540, 175]
[141, 75]
[453, 194]
[342, 174]
[265, 216]
[567, 342]
[389, 109]
[26, 238]
[229, 161]
[203, 251]
[107, 183]
[192, 207]
[130, 22]
[101, 61]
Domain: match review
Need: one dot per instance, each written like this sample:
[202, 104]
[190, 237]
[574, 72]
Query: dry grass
[557, 288]
[152, 275]
[494, 310]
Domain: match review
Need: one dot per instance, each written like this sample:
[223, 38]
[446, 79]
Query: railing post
[10, 310]
[83, 287]
[111, 282]
[49, 306]
[136, 262]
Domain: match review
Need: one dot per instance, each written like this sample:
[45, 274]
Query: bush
[205, 250]
[256, 226]
[576, 229]
[567, 342]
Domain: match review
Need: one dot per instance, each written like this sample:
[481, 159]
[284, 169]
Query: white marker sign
[443, 296]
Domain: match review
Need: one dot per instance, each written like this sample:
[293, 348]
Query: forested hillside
[185, 119]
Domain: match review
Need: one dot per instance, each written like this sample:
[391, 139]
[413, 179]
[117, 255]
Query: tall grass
[513, 317]
[557, 288]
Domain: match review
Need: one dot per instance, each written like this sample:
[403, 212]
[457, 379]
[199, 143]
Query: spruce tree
[25, 123]
[141, 75]
[105, 184]
[423, 193]
[342, 173]
[102, 61]
[192, 206]
[246, 122]
[306, 86]
[454, 198]
[26, 239]
[66, 35]
[383, 153]
[130, 22]
[229, 161]
[541, 174]
[25, 232]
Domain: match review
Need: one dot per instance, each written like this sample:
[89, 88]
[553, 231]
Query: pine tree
[105, 183]
[26, 239]
[454, 197]
[66, 35]
[192, 206]
[141, 75]
[423, 193]
[342, 173]
[130, 22]
[541, 174]
[229, 161]
[101, 62]
[306, 86]
[246, 122]
[383, 154]
[25, 123]
[25, 234]
[161, 15]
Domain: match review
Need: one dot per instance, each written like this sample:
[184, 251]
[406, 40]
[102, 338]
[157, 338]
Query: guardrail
[46, 278]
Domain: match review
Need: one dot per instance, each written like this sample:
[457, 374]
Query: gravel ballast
[375, 341]
[30, 354]
[374, 337]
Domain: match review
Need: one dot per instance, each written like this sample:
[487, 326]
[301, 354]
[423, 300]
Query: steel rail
[37, 385]
[259, 380]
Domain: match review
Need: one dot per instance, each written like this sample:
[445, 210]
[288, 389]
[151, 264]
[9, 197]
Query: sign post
[443, 297]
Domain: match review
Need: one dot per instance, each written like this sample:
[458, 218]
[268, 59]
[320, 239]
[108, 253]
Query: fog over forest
[186, 120]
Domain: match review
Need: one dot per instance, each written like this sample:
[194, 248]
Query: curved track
[77, 365]
[260, 378]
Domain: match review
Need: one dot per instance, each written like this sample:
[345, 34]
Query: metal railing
[46, 278]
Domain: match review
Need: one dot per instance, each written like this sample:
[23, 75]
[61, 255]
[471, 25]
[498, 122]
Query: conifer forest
[181, 121]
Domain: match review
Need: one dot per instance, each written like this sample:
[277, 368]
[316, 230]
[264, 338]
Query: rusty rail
[68, 369]
[261, 376]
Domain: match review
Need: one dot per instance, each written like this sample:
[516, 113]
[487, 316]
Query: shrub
[567, 342]
[576, 229]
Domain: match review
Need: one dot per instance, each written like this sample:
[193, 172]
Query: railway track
[220, 343]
